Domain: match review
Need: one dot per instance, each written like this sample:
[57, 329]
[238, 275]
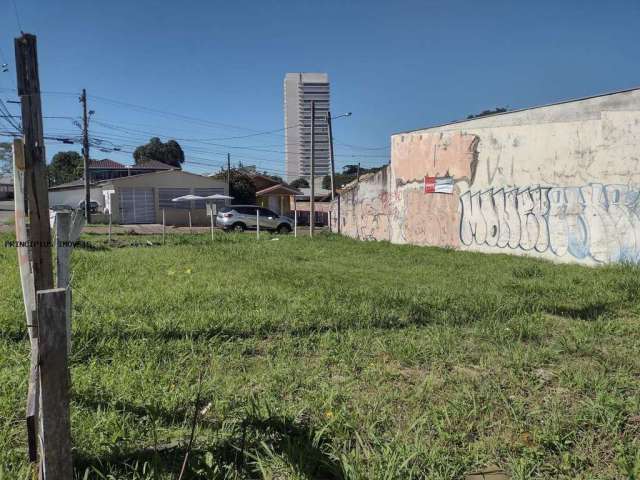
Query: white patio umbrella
[187, 198]
[218, 196]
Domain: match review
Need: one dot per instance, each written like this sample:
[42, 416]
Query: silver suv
[242, 217]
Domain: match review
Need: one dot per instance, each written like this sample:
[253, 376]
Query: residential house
[142, 198]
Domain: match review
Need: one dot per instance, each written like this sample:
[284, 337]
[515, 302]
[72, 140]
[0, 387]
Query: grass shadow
[244, 445]
[592, 311]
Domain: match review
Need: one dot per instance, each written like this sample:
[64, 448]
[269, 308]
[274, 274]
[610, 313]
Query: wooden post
[163, 226]
[63, 261]
[32, 170]
[34, 160]
[28, 295]
[257, 224]
[54, 385]
[190, 221]
[330, 225]
[109, 227]
[295, 219]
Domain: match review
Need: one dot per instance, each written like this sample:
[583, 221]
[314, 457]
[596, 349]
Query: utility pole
[228, 175]
[333, 168]
[85, 154]
[312, 211]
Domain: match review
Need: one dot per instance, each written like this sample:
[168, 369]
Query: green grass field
[332, 358]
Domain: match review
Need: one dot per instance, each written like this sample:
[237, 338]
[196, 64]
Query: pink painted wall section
[435, 154]
[375, 209]
[560, 182]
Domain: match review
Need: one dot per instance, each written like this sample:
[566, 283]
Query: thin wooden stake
[163, 238]
[54, 385]
[190, 222]
[109, 227]
[63, 267]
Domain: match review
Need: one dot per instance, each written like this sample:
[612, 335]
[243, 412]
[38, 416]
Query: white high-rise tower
[299, 90]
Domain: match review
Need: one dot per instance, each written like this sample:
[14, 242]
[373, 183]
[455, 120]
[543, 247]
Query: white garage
[137, 205]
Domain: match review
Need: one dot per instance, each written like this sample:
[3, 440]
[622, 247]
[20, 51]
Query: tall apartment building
[300, 89]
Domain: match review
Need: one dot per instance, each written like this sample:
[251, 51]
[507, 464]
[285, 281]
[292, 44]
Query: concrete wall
[560, 182]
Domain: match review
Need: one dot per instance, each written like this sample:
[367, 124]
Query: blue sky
[396, 65]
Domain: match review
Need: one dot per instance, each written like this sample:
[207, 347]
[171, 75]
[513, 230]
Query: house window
[165, 195]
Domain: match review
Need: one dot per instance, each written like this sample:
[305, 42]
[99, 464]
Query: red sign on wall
[429, 184]
[438, 184]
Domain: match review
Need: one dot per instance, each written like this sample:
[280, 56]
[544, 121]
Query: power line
[7, 117]
[202, 122]
[15, 9]
[233, 147]
[191, 119]
[357, 147]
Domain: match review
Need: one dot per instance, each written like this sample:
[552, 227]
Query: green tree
[300, 183]
[169, 153]
[274, 177]
[348, 175]
[241, 187]
[350, 170]
[485, 113]
[65, 167]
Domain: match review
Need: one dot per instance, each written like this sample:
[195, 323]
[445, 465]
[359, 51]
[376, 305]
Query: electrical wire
[15, 9]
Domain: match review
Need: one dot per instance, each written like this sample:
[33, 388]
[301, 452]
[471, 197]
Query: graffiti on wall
[596, 221]
[372, 217]
[370, 212]
[429, 219]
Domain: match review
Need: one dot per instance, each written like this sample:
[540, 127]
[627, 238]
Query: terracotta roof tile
[105, 163]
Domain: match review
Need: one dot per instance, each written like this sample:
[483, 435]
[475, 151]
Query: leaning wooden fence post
[54, 385]
[36, 205]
